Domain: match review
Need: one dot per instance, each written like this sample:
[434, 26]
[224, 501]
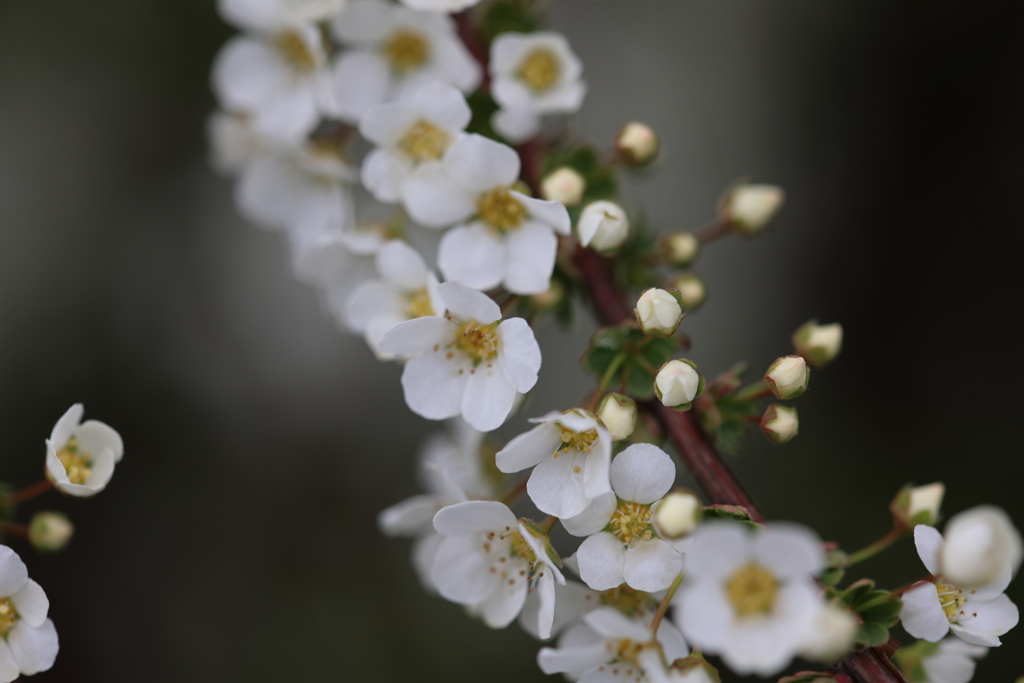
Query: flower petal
[385, 124]
[651, 565]
[516, 123]
[432, 384]
[499, 610]
[461, 572]
[474, 517]
[546, 614]
[364, 21]
[34, 648]
[481, 164]
[530, 258]
[518, 353]
[488, 398]
[601, 558]
[594, 518]
[9, 670]
[443, 105]
[31, 603]
[790, 551]
[642, 473]
[360, 81]
[466, 303]
[929, 547]
[986, 620]
[402, 266]
[434, 199]
[418, 335]
[613, 624]
[556, 485]
[13, 572]
[717, 550]
[66, 425]
[548, 212]
[571, 659]
[529, 448]
[922, 614]
[408, 517]
[382, 175]
[473, 255]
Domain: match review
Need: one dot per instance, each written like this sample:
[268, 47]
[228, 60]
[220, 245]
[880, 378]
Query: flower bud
[603, 226]
[751, 207]
[636, 144]
[787, 377]
[979, 543]
[924, 503]
[780, 423]
[818, 344]
[680, 248]
[659, 312]
[833, 634]
[565, 185]
[676, 515]
[677, 384]
[49, 531]
[692, 292]
[618, 413]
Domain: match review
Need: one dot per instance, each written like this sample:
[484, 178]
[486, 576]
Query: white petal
[994, 618]
[454, 64]
[717, 551]
[518, 353]
[35, 649]
[706, 617]
[672, 641]
[929, 546]
[9, 670]
[368, 301]
[481, 164]
[402, 266]
[418, 335]
[529, 448]
[488, 398]
[13, 573]
[443, 105]
[364, 21]
[383, 175]
[408, 517]
[556, 485]
[360, 81]
[433, 385]
[66, 425]
[102, 469]
[642, 473]
[434, 199]
[385, 124]
[546, 614]
[516, 124]
[594, 518]
[424, 555]
[290, 114]
[571, 659]
[550, 213]
[948, 668]
[790, 551]
[596, 479]
[473, 517]
[530, 258]
[503, 606]
[461, 572]
[474, 256]
[601, 558]
[922, 613]
[651, 565]
[613, 624]
[466, 303]
[94, 436]
[31, 603]
[246, 72]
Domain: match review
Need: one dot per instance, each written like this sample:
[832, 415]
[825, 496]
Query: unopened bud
[677, 384]
[818, 344]
[922, 503]
[780, 423]
[618, 413]
[49, 531]
[680, 248]
[979, 543]
[565, 185]
[603, 226]
[692, 292]
[659, 312]
[636, 144]
[676, 515]
[833, 635]
[787, 377]
[751, 207]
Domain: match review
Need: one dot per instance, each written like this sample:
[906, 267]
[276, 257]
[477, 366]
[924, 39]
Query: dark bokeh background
[237, 540]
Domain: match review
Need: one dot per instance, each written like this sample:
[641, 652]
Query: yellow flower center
[632, 521]
[294, 51]
[628, 651]
[479, 342]
[8, 616]
[500, 210]
[752, 590]
[952, 599]
[628, 600]
[424, 142]
[520, 548]
[419, 305]
[77, 464]
[539, 70]
[406, 50]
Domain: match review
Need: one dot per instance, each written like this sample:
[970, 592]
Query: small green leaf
[832, 576]
[509, 15]
[872, 634]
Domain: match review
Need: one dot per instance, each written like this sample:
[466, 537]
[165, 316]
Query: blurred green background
[237, 539]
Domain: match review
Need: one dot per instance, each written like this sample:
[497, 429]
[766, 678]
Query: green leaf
[832, 576]
[735, 513]
[856, 590]
[509, 15]
[872, 634]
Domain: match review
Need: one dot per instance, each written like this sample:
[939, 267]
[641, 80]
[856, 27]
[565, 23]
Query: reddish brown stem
[14, 529]
[712, 232]
[29, 492]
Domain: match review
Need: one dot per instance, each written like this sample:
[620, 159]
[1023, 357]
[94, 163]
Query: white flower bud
[818, 344]
[603, 226]
[680, 248]
[49, 531]
[659, 313]
[787, 377]
[636, 144]
[980, 542]
[677, 384]
[692, 292]
[780, 423]
[618, 413]
[676, 515]
[926, 499]
[565, 185]
[750, 207]
[833, 634]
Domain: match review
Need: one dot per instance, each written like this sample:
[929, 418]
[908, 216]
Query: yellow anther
[752, 590]
[406, 50]
[501, 210]
[479, 342]
[520, 548]
[77, 464]
[580, 441]
[8, 616]
[952, 600]
[294, 51]
[539, 70]
[424, 141]
[632, 522]
[419, 305]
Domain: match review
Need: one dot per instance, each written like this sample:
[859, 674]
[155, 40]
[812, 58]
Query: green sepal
[735, 513]
[832, 576]
[537, 532]
[856, 590]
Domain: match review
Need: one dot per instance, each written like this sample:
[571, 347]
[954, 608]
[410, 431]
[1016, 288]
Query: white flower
[408, 134]
[572, 601]
[750, 597]
[609, 647]
[468, 363]
[833, 635]
[602, 225]
[490, 560]
[818, 344]
[257, 15]
[392, 51]
[980, 544]
[787, 377]
[28, 640]
[618, 414]
[80, 458]
[233, 142]
[659, 313]
[750, 207]
[780, 423]
[511, 240]
[405, 290]
[978, 615]
[533, 74]
[677, 383]
[450, 6]
[636, 143]
[564, 185]
[570, 453]
[951, 662]
[279, 80]
[337, 262]
[631, 552]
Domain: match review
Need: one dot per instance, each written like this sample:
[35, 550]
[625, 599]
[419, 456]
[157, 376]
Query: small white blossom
[636, 143]
[818, 344]
[450, 6]
[533, 74]
[658, 312]
[833, 635]
[257, 15]
[978, 615]
[393, 51]
[570, 453]
[489, 560]
[980, 544]
[618, 414]
[677, 383]
[28, 640]
[603, 226]
[676, 515]
[951, 662]
[631, 553]
[750, 597]
[466, 363]
[788, 376]
[751, 207]
[564, 185]
[80, 457]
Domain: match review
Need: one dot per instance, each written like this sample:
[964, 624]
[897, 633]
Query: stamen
[406, 50]
[539, 70]
[501, 210]
[632, 522]
[294, 51]
[78, 465]
[752, 590]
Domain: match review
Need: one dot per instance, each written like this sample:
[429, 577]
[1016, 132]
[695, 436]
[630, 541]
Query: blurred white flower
[951, 662]
[80, 458]
[981, 543]
[263, 15]
[28, 640]
[564, 185]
